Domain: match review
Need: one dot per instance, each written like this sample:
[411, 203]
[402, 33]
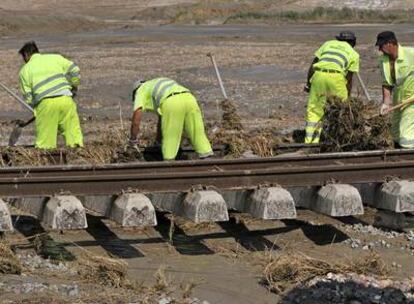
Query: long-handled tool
[223, 91]
[17, 131]
[364, 88]
[398, 106]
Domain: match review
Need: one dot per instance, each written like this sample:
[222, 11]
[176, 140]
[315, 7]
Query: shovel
[17, 131]
[223, 91]
[398, 106]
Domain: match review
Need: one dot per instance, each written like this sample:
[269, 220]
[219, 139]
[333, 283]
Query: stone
[133, 210]
[367, 192]
[101, 204]
[303, 196]
[271, 203]
[204, 206]
[397, 196]
[32, 205]
[338, 200]
[236, 199]
[5, 217]
[396, 221]
[167, 201]
[64, 212]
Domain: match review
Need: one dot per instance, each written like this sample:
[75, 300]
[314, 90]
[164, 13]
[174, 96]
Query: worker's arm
[72, 72]
[135, 124]
[310, 74]
[25, 87]
[349, 77]
[386, 99]
[159, 132]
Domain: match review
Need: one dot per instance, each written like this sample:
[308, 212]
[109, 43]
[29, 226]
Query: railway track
[294, 170]
[204, 190]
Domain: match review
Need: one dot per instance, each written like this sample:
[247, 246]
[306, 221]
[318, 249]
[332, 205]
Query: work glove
[306, 88]
[384, 108]
[133, 143]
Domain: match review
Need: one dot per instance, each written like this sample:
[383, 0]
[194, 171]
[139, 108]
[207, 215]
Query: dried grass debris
[9, 263]
[353, 126]
[284, 271]
[103, 270]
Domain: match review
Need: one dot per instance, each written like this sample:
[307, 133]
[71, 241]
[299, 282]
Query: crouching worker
[48, 82]
[177, 110]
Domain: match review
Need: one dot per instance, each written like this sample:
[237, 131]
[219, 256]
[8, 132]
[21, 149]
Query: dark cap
[385, 37]
[346, 36]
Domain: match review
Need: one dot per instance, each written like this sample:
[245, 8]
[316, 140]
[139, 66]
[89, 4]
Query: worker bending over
[397, 70]
[177, 110]
[48, 82]
[330, 74]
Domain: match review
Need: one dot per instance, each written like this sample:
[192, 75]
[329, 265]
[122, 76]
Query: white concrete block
[397, 196]
[133, 210]
[64, 212]
[271, 203]
[204, 206]
[5, 217]
[338, 200]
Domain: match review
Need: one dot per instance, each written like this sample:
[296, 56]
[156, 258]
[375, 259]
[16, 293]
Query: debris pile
[9, 263]
[287, 270]
[230, 118]
[103, 270]
[353, 126]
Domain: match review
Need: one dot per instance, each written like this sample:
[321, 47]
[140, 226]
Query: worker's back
[337, 55]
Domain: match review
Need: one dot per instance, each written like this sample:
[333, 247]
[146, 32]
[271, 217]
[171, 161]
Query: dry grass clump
[9, 263]
[285, 271]
[350, 126]
[103, 270]
[230, 118]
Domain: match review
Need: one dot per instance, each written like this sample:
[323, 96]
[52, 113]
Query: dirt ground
[263, 68]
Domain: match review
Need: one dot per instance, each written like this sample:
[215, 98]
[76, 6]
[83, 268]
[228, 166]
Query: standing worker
[177, 109]
[48, 82]
[397, 70]
[330, 74]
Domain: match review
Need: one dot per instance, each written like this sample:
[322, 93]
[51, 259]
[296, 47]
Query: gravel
[352, 288]
[71, 290]
[33, 262]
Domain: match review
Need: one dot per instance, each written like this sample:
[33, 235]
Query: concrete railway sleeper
[132, 209]
[334, 184]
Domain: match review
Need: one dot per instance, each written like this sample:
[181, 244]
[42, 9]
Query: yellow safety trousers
[57, 114]
[323, 85]
[181, 112]
[402, 127]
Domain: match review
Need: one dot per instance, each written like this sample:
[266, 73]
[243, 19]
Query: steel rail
[95, 184]
[311, 160]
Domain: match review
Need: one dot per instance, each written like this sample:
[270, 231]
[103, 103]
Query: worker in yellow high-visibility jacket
[177, 109]
[397, 70]
[330, 74]
[48, 83]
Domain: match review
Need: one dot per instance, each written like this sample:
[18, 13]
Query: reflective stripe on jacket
[152, 93]
[337, 55]
[45, 75]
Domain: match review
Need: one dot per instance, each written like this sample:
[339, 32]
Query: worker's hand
[306, 88]
[74, 91]
[384, 108]
[133, 143]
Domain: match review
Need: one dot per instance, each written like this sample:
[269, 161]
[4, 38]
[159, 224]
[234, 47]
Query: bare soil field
[264, 71]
